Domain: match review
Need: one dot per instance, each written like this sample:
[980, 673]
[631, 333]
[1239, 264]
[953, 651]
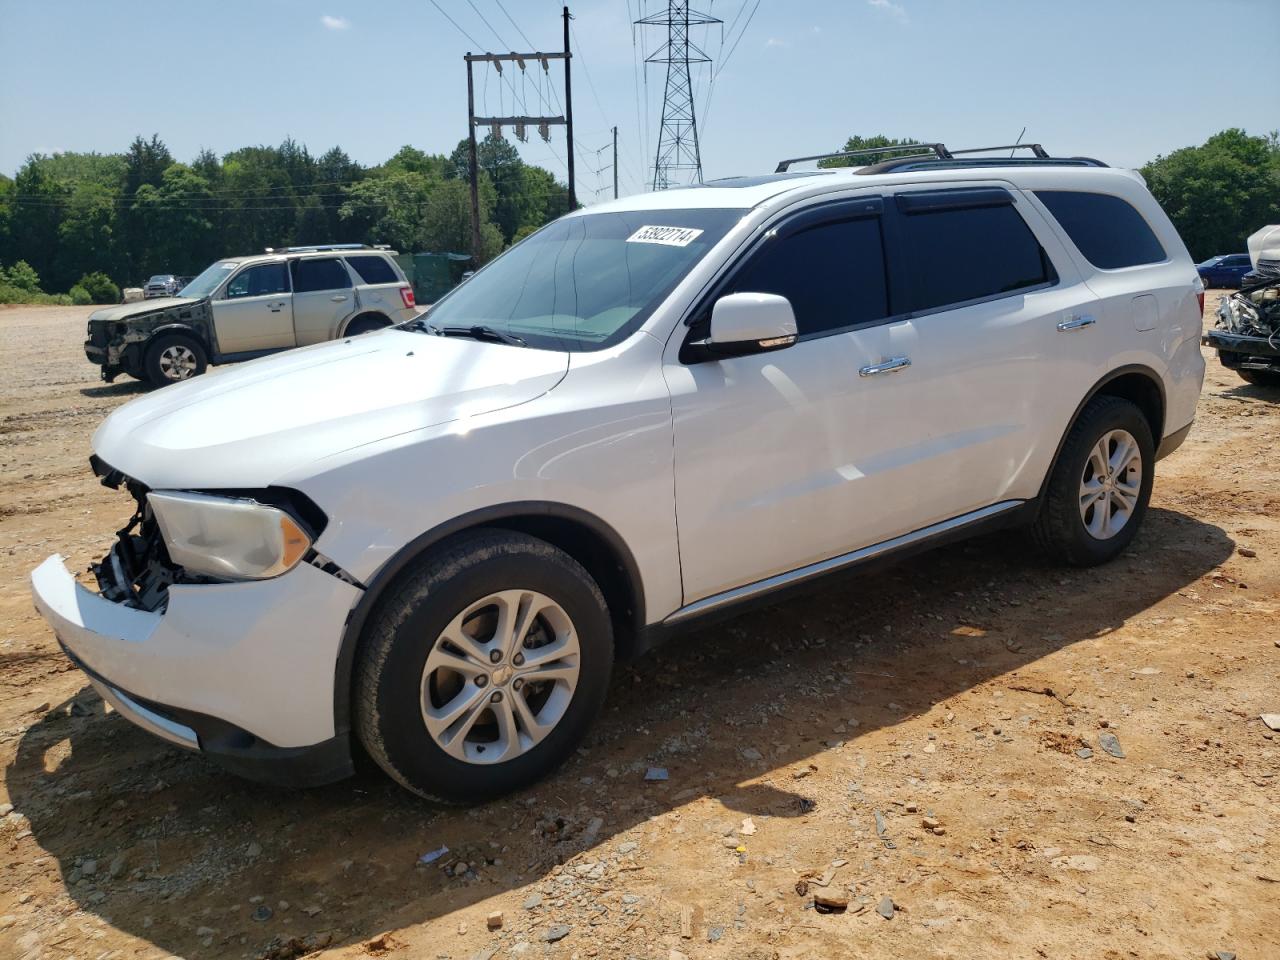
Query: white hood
[247, 426]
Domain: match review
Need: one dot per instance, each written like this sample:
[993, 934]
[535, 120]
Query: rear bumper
[231, 670]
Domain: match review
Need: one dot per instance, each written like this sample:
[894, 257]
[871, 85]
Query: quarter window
[833, 274]
[373, 269]
[955, 255]
[1107, 230]
[319, 274]
[257, 281]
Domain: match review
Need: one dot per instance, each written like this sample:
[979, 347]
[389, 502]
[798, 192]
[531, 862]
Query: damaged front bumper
[243, 672]
[1246, 333]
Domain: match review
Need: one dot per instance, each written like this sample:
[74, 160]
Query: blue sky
[1122, 81]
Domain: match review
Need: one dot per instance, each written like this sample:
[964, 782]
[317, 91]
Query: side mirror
[744, 323]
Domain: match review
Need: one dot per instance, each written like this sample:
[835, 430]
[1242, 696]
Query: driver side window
[261, 280]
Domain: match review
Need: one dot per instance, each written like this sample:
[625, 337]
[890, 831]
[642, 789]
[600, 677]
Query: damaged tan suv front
[247, 307]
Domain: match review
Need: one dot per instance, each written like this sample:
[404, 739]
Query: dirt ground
[805, 744]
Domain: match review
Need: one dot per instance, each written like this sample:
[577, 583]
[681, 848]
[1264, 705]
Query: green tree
[99, 288]
[446, 224]
[23, 276]
[1218, 193]
[390, 209]
[867, 143]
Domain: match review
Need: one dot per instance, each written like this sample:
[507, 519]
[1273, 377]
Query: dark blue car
[1224, 270]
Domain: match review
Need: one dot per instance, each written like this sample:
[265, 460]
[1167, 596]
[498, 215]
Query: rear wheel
[174, 357]
[1100, 486]
[482, 667]
[365, 324]
[1261, 378]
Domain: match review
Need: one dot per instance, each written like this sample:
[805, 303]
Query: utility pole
[678, 148]
[474, 164]
[615, 163]
[568, 114]
[495, 124]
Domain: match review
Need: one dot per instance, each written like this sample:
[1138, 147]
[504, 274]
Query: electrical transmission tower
[678, 159]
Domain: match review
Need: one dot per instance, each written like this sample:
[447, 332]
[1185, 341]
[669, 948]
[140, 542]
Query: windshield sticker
[667, 236]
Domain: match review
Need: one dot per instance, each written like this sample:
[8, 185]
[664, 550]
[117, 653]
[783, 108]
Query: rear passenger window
[959, 254]
[262, 280]
[833, 274]
[373, 269]
[326, 274]
[1107, 230]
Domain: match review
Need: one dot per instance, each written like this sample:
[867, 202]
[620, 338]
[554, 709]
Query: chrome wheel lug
[496, 697]
[482, 681]
[517, 684]
[495, 656]
[518, 659]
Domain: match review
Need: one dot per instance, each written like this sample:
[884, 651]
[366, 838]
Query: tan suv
[246, 307]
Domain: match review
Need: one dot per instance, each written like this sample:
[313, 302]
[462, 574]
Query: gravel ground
[928, 743]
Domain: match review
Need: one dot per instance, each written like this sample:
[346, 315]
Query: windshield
[585, 282]
[204, 285]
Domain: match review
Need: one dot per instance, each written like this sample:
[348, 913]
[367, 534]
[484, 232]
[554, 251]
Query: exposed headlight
[233, 539]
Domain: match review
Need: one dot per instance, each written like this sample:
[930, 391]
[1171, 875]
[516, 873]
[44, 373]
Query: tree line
[84, 220]
[1216, 194]
[70, 217]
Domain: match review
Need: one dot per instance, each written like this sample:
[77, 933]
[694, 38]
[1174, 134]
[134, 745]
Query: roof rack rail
[938, 150]
[317, 247]
[940, 153]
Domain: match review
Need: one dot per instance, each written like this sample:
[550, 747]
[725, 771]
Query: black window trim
[813, 215]
[389, 261]
[975, 197]
[245, 268]
[1070, 241]
[298, 261]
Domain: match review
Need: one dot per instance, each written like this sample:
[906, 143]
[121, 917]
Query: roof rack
[324, 246]
[932, 153]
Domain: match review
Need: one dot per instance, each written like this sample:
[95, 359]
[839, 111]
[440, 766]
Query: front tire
[1100, 486]
[482, 667]
[174, 357]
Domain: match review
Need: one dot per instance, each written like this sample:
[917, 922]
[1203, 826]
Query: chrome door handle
[885, 366]
[1076, 323]
[339, 298]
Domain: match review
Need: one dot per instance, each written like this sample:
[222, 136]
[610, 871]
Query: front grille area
[137, 570]
[1270, 268]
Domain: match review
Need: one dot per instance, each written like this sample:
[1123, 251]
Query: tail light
[406, 294]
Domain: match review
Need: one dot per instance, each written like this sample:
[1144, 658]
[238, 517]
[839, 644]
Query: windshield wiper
[478, 332]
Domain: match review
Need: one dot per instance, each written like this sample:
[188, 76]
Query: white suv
[435, 540]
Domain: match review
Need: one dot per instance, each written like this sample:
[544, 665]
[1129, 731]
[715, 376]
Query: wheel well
[588, 540]
[1144, 393]
[367, 315]
[599, 558]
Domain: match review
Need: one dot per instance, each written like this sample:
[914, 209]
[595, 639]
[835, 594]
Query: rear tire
[366, 324]
[174, 357]
[447, 701]
[1100, 485]
[1261, 378]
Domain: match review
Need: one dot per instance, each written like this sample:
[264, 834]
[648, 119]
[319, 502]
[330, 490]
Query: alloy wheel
[500, 676]
[177, 362]
[1110, 484]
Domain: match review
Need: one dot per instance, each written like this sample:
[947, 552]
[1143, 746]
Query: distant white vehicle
[161, 285]
[434, 540]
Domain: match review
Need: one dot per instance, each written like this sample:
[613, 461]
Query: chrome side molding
[801, 574]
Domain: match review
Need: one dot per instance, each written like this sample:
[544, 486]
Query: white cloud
[334, 23]
[776, 42]
[897, 11]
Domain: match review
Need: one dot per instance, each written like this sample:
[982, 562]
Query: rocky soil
[972, 754]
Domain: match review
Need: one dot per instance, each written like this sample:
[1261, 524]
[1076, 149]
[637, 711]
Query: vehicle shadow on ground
[122, 389]
[180, 848]
[1253, 391]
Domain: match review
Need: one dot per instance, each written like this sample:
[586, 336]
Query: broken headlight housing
[228, 538]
